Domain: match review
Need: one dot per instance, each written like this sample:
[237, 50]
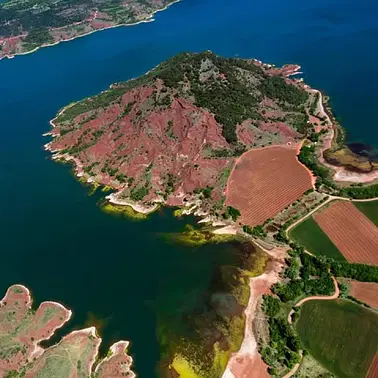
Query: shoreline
[139, 208]
[150, 18]
[118, 347]
[338, 173]
[247, 361]
[37, 349]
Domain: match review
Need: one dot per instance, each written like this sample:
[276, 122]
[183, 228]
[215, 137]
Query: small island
[23, 328]
[25, 26]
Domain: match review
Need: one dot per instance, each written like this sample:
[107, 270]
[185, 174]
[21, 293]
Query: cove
[113, 272]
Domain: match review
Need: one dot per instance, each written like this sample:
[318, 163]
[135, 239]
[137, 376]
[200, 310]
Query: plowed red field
[352, 232]
[373, 371]
[366, 292]
[264, 181]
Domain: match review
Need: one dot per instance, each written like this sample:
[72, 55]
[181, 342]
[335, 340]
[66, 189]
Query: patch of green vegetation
[311, 368]
[312, 237]
[205, 193]
[305, 275]
[257, 231]
[223, 177]
[307, 156]
[359, 272]
[31, 15]
[124, 211]
[360, 191]
[196, 237]
[276, 87]
[169, 130]
[137, 194]
[37, 37]
[227, 93]
[232, 213]
[314, 104]
[341, 335]
[310, 276]
[370, 209]
[282, 352]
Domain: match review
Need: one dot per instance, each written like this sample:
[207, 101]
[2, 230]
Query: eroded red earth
[168, 144]
[153, 144]
[22, 329]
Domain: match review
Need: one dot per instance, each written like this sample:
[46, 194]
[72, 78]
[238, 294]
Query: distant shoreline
[150, 18]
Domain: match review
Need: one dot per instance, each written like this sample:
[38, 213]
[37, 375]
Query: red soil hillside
[265, 181]
[352, 232]
[22, 329]
[172, 135]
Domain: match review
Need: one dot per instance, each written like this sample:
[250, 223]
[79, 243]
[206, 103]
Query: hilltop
[173, 134]
[28, 25]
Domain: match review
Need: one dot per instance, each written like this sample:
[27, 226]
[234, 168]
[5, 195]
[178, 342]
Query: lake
[119, 274]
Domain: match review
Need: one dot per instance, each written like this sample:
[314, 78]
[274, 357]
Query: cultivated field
[366, 292]
[264, 181]
[355, 236]
[373, 371]
[341, 335]
[311, 236]
[370, 209]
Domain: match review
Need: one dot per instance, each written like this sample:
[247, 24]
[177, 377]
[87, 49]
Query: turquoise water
[53, 236]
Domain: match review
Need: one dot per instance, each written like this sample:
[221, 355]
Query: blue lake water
[55, 239]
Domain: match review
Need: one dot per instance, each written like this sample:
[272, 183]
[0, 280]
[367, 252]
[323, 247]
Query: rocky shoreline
[340, 173]
[49, 317]
[4, 41]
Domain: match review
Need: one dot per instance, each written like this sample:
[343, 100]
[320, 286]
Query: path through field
[247, 362]
[300, 303]
[320, 297]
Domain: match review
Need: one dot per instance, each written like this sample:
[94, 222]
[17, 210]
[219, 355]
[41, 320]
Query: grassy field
[370, 209]
[310, 235]
[341, 335]
[311, 368]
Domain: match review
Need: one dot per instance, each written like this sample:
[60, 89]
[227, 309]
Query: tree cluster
[359, 191]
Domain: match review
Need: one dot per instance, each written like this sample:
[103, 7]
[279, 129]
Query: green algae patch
[256, 263]
[194, 237]
[187, 368]
[93, 188]
[178, 213]
[107, 189]
[214, 324]
[123, 211]
[183, 367]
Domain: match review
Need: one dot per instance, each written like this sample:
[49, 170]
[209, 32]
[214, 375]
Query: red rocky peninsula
[172, 135]
[22, 329]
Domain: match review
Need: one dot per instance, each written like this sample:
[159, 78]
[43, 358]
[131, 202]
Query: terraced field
[341, 335]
